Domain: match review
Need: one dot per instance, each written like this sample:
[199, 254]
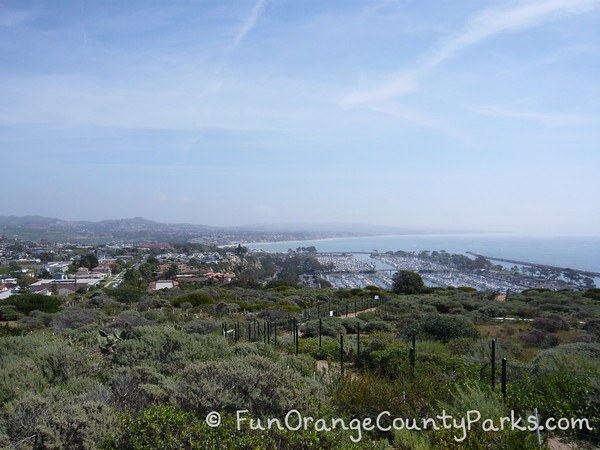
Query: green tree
[407, 282]
[25, 303]
[14, 267]
[443, 327]
[147, 272]
[241, 251]
[90, 261]
[133, 276]
[172, 272]
[24, 280]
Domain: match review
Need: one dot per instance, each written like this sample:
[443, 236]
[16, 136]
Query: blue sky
[462, 115]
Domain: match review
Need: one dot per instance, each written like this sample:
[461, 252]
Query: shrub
[137, 387]
[195, 298]
[551, 324]
[167, 349]
[493, 311]
[246, 348]
[36, 361]
[444, 306]
[35, 320]
[129, 318]
[6, 330]
[372, 288]
[593, 293]
[406, 282]
[379, 326]
[350, 325]
[126, 293]
[386, 359]
[444, 328]
[330, 327]
[243, 382]
[303, 364]
[474, 397]
[557, 394]
[170, 427]
[576, 357]
[540, 339]
[226, 308]
[58, 419]
[75, 318]
[9, 312]
[26, 303]
[202, 326]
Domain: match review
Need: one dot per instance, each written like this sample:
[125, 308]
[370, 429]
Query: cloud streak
[554, 120]
[249, 24]
[480, 27]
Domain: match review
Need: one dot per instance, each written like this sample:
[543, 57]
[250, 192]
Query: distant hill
[135, 229]
[138, 229]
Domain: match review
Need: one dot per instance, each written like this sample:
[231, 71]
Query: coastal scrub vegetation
[130, 369]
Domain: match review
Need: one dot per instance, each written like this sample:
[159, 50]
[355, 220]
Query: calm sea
[576, 252]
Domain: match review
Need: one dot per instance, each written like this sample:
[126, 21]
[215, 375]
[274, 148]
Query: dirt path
[322, 366]
[345, 316]
[558, 444]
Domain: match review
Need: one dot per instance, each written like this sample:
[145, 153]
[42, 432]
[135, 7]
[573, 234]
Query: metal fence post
[320, 332]
[413, 349]
[297, 339]
[493, 363]
[342, 355]
[504, 380]
[358, 343]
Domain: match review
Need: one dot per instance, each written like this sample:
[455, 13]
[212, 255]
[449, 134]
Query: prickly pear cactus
[108, 342]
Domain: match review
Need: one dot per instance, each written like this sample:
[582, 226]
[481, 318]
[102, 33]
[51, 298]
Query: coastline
[565, 251]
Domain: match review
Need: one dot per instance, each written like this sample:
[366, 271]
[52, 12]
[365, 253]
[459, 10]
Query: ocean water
[576, 252]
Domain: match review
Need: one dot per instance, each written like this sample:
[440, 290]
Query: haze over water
[576, 252]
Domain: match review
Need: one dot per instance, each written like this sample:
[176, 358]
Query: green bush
[126, 293]
[475, 397]
[249, 382]
[444, 328]
[59, 419]
[578, 357]
[375, 326]
[167, 349]
[540, 339]
[75, 318]
[331, 326]
[551, 324]
[37, 361]
[27, 302]
[35, 320]
[134, 388]
[195, 299]
[207, 326]
[6, 330]
[593, 293]
[557, 394]
[9, 312]
[350, 324]
[168, 427]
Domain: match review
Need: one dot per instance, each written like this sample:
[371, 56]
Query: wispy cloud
[12, 19]
[249, 24]
[479, 28]
[555, 120]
